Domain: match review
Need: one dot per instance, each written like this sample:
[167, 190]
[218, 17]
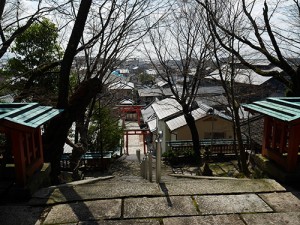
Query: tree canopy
[262, 29]
[30, 77]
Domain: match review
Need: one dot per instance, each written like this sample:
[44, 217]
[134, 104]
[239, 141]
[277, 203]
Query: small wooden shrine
[281, 137]
[21, 123]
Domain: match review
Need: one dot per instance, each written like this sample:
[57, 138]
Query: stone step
[109, 189]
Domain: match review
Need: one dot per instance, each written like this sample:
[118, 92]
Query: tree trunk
[56, 132]
[71, 50]
[54, 139]
[234, 146]
[295, 91]
[195, 136]
[243, 156]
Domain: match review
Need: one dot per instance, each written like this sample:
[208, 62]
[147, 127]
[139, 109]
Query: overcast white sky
[279, 18]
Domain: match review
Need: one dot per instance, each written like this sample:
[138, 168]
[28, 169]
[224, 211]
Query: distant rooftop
[244, 76]
[170, 109]
[211, 90]
[154, 92]
[151, 72]
[7, 98]
[166, 108]
[121, 85]
[127, 102]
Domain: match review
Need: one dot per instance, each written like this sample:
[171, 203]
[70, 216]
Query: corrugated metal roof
[161, 83]
[154, 92]
[284, 108]
[27, 114]
[203, 90]
[150, 92]
[166, 107]
[152, 125]
[198, 113]
[148, 114]
[180, 121]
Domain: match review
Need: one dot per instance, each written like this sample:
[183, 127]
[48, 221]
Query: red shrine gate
[136, 109]
[126, 109]
[143, 132]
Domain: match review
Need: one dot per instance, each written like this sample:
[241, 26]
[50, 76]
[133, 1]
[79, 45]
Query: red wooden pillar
[38, 135]
[293, 148]
[283, 138]
[19, 156]
[36, 152]
[267, 135]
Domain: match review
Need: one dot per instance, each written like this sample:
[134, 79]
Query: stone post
[138, 155]
[158, 157]
[150, 167]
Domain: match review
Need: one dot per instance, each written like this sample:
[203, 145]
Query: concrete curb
[206, 177]
[81, 182]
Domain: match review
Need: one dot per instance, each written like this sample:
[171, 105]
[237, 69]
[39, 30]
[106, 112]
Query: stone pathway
[122, 197]
[185, 201]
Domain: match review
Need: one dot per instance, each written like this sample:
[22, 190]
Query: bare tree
[263, 34]
[14, 21]
[179, 44]
[227, 72]
[112, 27]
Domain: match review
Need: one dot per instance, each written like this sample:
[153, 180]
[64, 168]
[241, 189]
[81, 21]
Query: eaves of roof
[27, 114]
[282, 108]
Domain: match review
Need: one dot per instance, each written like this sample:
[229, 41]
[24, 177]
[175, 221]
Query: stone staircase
[129, 199]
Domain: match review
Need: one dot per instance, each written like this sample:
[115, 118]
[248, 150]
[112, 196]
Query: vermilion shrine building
[21, 123]
[281, 137]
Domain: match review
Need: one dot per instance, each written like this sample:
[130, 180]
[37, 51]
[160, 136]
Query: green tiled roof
[283, 108]
[27, 114]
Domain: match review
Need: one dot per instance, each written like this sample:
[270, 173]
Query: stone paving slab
[205, 220]
[84, 211]
[103, 190]
[122, 222]
[223, 204]
[206, 186]
[292, 218]
[159, 207]
[282, 202]
[18, 214]
[217, 170]
[106, 190]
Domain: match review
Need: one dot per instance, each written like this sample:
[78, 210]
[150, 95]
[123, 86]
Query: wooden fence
[215, 146]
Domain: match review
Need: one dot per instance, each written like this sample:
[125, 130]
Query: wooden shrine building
[281, 137]
[20, 124]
